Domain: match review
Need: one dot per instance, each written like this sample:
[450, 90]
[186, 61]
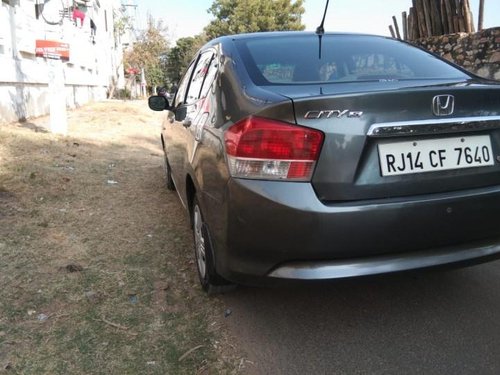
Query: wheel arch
[190, 194]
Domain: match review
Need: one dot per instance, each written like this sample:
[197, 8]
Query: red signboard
[52, 49]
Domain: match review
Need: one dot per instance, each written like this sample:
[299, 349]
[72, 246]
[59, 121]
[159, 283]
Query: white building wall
[88, 73]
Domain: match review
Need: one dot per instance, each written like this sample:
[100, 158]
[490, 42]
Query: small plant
[124, 94]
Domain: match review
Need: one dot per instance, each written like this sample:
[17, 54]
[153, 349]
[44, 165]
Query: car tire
[168, 175]
[211, 282]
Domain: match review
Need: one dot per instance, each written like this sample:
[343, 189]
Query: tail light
[267, 149]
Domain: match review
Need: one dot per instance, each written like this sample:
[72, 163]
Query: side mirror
[158, 103]
[180, 113]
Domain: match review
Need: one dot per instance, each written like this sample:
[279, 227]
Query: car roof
[267, 34]
[272, 34]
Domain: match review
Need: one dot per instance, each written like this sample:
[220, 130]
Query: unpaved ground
[96, 277]
[96, 270]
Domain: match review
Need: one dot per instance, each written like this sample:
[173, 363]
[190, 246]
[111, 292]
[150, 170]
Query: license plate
[435, 155]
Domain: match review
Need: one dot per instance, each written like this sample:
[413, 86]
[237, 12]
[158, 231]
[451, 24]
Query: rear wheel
[210, 280]
[168, 175]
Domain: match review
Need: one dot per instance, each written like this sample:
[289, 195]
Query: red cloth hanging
[78, 14]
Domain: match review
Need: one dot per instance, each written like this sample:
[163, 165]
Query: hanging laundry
[78, 15]
[93, 27]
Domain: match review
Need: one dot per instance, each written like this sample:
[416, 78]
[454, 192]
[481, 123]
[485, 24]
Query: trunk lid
[356, 123]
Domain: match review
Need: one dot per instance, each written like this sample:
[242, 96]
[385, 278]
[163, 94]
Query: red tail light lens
[267, 149]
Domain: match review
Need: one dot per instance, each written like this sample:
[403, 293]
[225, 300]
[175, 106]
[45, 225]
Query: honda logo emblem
[443, 105]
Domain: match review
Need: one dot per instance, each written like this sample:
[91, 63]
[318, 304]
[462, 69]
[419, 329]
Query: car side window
[199, 76]
[183, 85]
[212, 72]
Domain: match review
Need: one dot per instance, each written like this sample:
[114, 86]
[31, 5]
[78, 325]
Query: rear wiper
[320, 30]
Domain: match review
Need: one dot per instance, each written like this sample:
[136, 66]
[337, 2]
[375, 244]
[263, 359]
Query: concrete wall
[20, 101]
[478, 52]
[94, 60]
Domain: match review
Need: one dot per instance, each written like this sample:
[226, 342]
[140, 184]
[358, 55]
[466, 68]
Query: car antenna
[320, 30]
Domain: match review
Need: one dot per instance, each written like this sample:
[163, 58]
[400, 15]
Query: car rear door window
[199, 77]
[212, 72]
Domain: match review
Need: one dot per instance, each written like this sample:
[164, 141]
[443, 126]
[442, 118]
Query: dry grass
[97, 277]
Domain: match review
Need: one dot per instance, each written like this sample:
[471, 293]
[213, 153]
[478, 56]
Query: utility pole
[481, 15]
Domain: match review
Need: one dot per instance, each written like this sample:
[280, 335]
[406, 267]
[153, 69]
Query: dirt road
[97, 276]
[96, 267]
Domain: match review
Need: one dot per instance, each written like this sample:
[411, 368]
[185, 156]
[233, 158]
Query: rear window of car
[295, 59]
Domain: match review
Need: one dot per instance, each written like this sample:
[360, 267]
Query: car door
[173, 132]
[188, 119]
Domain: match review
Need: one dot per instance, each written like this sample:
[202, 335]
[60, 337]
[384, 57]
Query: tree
[148, 52]
[122, 24]
[244, 16]
[180, 56]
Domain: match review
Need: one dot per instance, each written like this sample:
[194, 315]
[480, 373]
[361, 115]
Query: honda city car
[309, 157]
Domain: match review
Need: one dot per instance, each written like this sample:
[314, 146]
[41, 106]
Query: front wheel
[210, 280]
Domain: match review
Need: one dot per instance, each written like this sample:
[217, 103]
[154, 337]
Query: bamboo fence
[428, 18]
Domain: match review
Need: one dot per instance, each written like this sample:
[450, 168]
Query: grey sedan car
[300, 157]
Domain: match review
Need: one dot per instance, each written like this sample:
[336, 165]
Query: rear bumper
[452, 256]
[277, 230]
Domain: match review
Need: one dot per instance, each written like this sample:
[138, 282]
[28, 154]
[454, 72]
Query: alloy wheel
[199, 242]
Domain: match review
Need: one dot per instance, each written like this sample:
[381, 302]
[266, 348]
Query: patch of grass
[98, 279]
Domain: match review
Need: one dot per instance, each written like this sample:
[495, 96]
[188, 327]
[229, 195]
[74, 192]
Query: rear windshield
[295, 60]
